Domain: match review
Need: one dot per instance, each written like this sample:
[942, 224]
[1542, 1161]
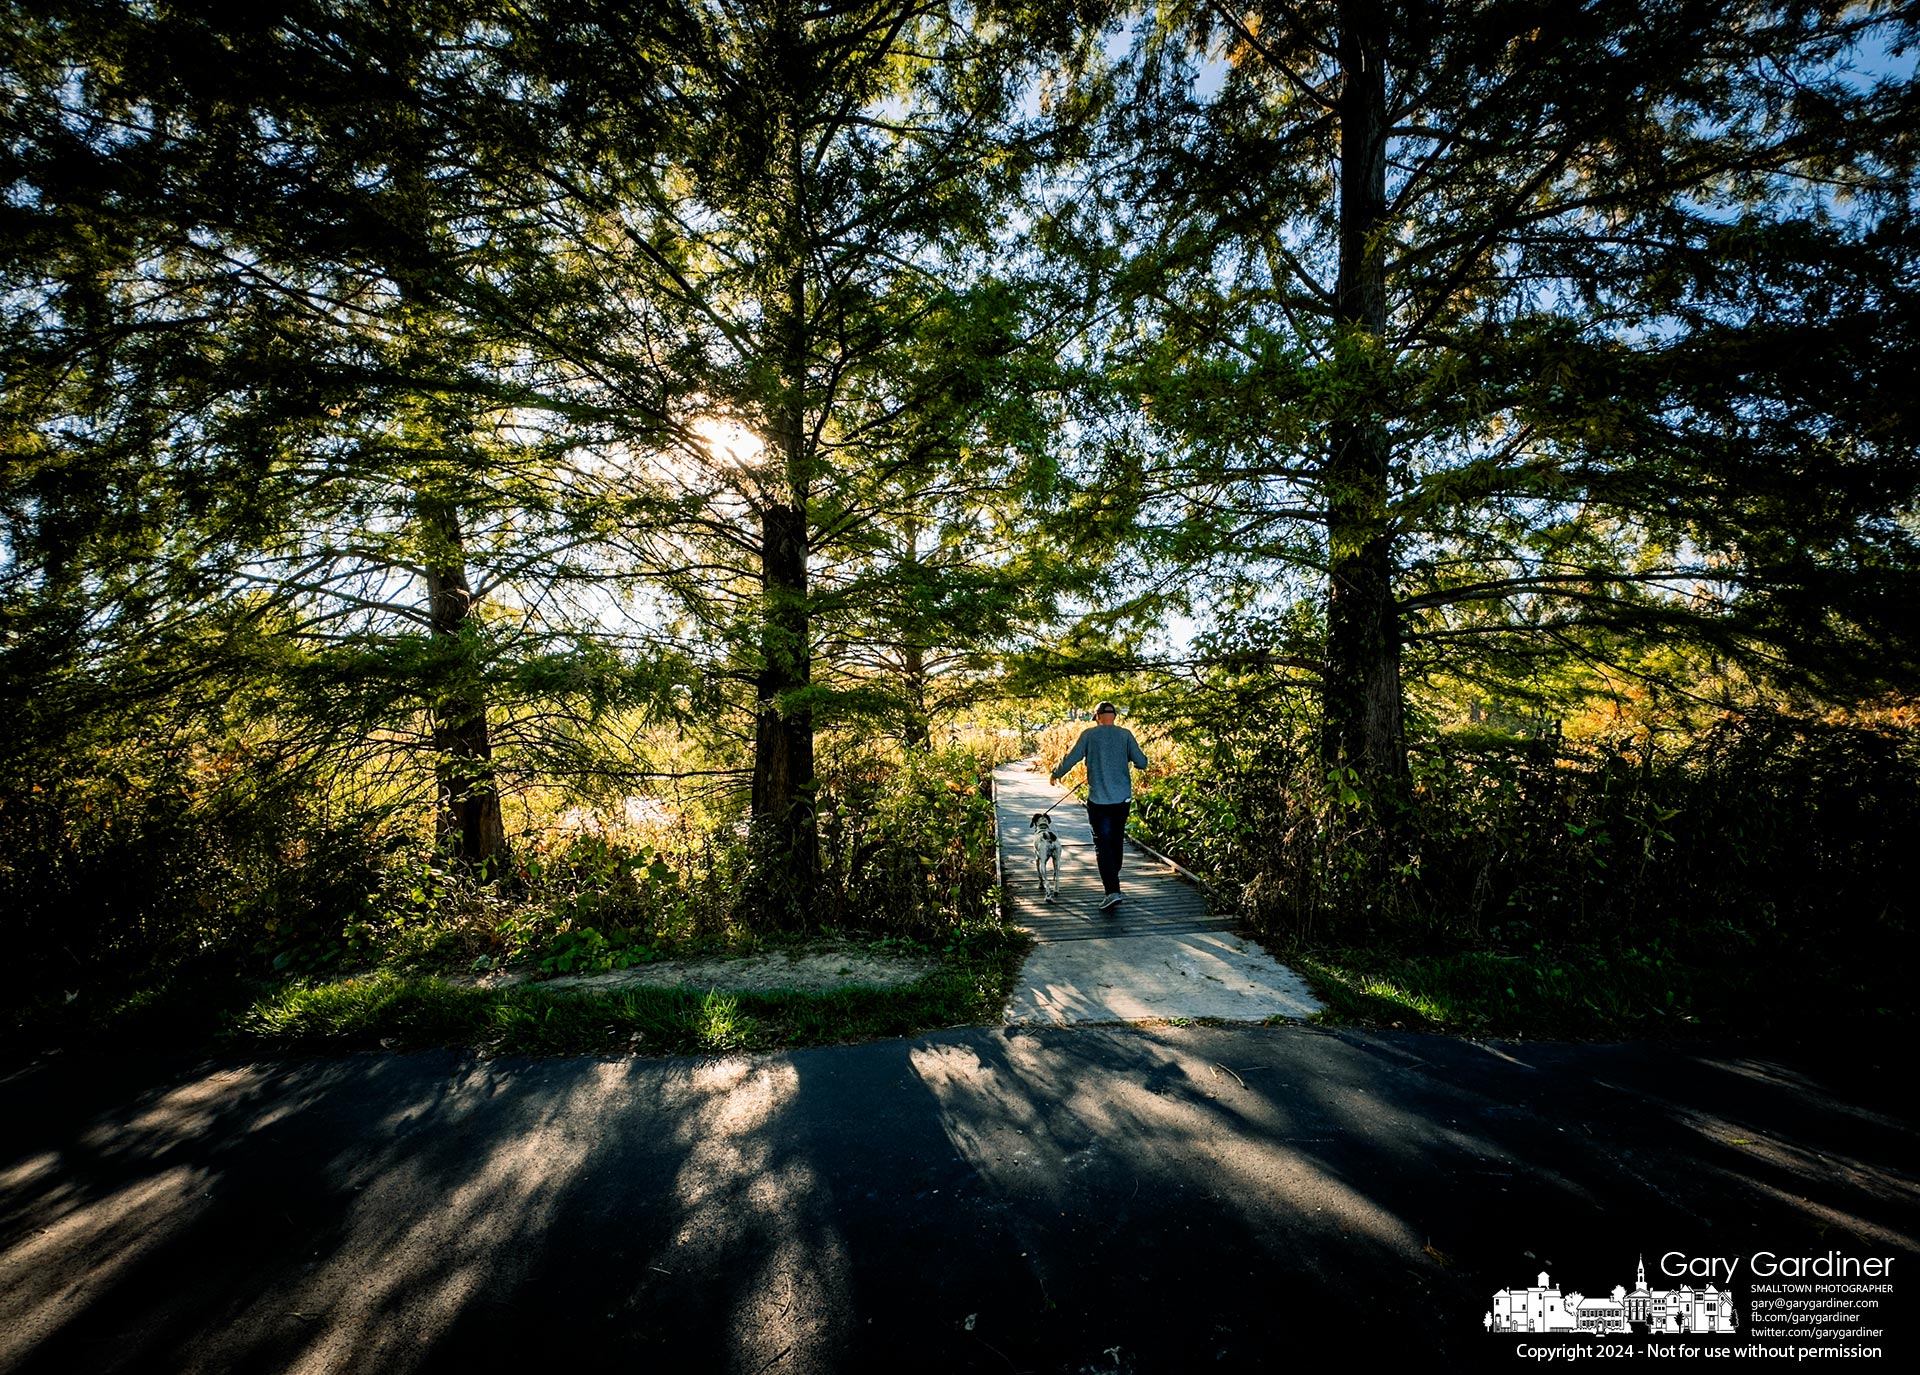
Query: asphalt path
[1124, 1199]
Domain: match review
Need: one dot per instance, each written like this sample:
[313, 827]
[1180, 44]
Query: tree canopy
[449, 392]
[1471, 340]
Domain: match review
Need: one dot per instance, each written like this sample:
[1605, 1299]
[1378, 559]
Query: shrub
[907, 843]
[907, 851]
[114, 875]
[1772, 835]
[136, 861]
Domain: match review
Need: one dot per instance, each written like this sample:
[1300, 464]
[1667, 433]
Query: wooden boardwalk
[1156, 899]
[1160, 956]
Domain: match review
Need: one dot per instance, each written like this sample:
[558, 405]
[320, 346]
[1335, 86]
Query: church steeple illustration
[1545, 1308]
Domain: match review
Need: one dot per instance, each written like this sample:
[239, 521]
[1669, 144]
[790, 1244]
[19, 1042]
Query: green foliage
[138, 860]
[568, 904]
[116, 878]
[907, 846]
[907, 852]
[369, 373]
[1572, 335]
[1602, 878]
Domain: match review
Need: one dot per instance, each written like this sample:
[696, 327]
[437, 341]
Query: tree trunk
[783, 803]
[468, 820]
[784, 817]
[916, 726]
[916, 731]
[1364, 728]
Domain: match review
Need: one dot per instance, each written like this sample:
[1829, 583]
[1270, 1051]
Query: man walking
[1108, 750]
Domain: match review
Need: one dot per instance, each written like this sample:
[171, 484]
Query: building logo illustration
[1659, 1312]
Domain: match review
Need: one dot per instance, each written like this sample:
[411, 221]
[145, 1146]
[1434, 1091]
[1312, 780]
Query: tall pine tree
[1480, 328]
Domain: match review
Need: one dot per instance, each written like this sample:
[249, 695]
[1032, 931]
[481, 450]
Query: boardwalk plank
[1156, 899]
[1162, 954]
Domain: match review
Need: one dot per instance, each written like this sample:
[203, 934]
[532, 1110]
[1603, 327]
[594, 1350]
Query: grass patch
[398, 1009]
[1582, 995]
[1485, 993]
[394, 1011]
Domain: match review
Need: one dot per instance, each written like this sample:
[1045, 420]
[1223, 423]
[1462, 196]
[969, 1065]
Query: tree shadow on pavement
[1112, 1199]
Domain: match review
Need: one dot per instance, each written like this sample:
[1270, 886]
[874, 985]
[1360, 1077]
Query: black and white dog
[1046, 855]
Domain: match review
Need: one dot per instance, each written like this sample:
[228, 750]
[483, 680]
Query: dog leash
[1058, 800]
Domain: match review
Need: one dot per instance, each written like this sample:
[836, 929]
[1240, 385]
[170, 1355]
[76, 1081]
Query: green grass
[1585, 995]
[395, 1011]
[1482, 992]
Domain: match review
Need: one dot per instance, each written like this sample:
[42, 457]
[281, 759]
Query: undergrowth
[1757, 879]
[117, 882]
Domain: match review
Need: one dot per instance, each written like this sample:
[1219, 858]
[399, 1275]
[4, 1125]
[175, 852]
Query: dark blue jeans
[1109, 823]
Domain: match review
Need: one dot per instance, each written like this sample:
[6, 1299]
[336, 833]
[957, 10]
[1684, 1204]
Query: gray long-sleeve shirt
[1108, 750]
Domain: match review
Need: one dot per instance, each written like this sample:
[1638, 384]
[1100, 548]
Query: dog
[1046, 855]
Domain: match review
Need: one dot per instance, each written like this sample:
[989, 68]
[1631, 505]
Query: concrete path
[1161, 955]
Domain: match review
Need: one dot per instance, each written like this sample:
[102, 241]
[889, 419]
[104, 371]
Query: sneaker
[1109, 902]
